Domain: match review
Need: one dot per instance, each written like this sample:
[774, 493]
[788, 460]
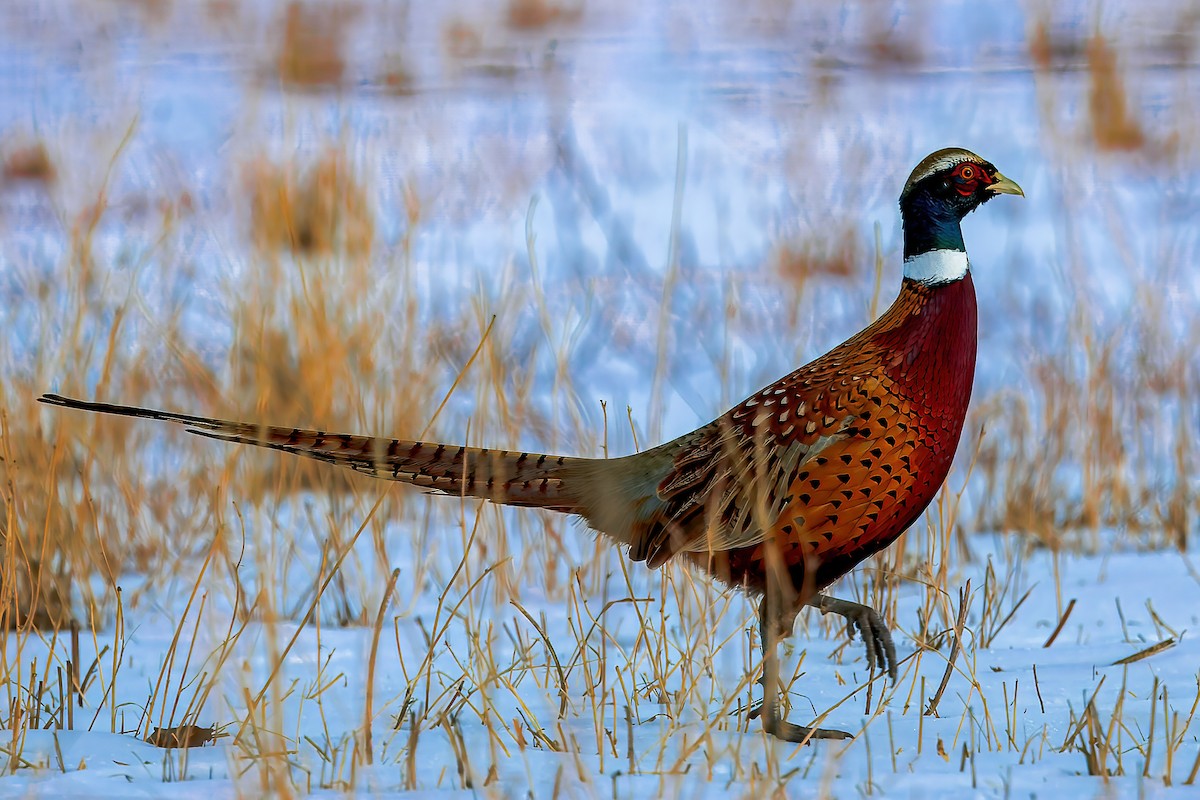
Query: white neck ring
[937, 266]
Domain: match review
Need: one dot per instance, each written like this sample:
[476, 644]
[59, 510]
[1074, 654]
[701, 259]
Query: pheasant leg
[769, 629]
[881, 650]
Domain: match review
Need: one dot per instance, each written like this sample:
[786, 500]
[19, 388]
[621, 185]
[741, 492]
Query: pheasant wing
[732, 479]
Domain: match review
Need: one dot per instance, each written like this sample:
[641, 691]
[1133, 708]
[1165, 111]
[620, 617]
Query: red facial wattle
[968, 178]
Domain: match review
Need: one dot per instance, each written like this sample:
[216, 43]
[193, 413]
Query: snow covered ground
[672, 153]
[1007, 725]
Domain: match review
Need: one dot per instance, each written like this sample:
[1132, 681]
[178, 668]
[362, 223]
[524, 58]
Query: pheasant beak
[1003, 185]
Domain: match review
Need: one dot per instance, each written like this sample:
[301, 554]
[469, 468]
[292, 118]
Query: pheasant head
[942, 189]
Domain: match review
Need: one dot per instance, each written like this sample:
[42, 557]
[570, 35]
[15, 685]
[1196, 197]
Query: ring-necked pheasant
[785, 492]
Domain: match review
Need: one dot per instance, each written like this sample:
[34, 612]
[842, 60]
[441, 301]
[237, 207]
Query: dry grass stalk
[368, 714]
[461, 40]
[1054, 50]
[1094, 744]
[1100, 742]
[529, 15]
[30, 163]
[311, 51]
[1114, 127]
[892, 42]
[836, 255]
[321, 210]
[1062, 621]
[964, 596]
[1152, 650]
[1070, 456]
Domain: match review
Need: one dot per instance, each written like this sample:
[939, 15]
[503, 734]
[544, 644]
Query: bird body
[785, 492]
[832, 461]
[887, 408]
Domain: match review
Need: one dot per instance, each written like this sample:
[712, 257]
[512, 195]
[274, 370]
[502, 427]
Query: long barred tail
[512, 478]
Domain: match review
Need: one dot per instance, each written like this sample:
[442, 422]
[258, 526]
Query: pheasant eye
[967, 172]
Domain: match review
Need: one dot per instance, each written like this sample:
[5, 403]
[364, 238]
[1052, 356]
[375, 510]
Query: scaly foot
[875, 634]
[782, 729]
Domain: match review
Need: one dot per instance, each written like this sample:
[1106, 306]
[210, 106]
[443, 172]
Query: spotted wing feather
[731, 481]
